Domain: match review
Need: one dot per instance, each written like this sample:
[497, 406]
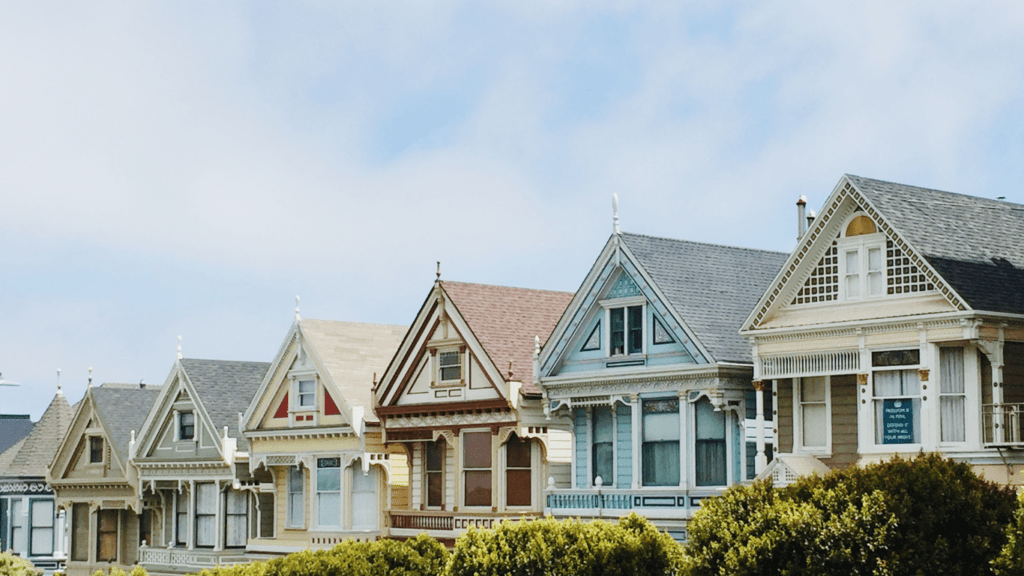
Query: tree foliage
[12, 565]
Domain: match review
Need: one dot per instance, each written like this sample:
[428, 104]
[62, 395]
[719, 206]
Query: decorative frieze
[433, 420]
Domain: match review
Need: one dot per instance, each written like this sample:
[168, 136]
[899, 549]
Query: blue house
[648, 371]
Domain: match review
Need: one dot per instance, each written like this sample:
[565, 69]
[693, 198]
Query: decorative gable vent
[783, 476]
[624, 288]
[904, 276]
[823, 285]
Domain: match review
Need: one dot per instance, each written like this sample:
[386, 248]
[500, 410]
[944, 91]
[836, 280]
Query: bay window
[660, 450]
[518, 475]
[710, 449]
[952, 394]
[296, 498]
[601, 457]
[896, 396]
[328, 492]
[476, 463]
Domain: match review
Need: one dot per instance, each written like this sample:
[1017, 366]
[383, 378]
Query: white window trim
[294, 409]
[691, 441]
[463, 469]
[972, 401]
[866, 410]
[503, 484]
[608, 306]
[288, 495]
[444, 473]
[177, 426]
[315, 501]
[861, 244]
[591, 436]
[798, 420]
[687, 473]
[462, 352]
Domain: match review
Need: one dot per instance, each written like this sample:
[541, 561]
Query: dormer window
[186, 426]
[95, 450]
[450, 366]
[627, 330]
[307, 394]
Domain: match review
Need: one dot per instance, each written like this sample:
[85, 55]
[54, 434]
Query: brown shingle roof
[505, 320]
[42, 442]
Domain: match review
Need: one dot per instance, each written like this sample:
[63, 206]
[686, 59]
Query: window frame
[466, 470]
[679, 441]
[197, 515]
[509, 468]
[460, 353]
[102, 450]
[872, 417]
[625, 304]
[592, 455]
[290, 509]
[32, 527]
[340, 491]
[229, 515]
[972, 408]
[180, 426]
[443, 444]
[100, 533]
[798, 417]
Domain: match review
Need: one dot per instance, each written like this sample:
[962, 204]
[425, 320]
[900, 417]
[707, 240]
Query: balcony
[664, 503]
[1003, 425]
[183, 560]
[446, 525]
[422, 521]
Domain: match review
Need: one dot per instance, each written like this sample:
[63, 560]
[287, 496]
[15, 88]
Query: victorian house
[647, 369]
[314, 440]
[459, 401]
[94, 484]
[193, 471]
[896, 326]
[31, 525]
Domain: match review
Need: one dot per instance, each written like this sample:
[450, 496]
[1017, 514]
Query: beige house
[314, 441]
[460, 402]
[896, 326]
[95, 485]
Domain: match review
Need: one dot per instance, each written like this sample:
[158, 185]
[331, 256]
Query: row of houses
[676, 370]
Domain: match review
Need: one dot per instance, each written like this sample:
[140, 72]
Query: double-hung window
[95, 449]
[106, 541]
[710, 452]
[450, 366]
[812, 399]
[896, 395]
[518, 481]
[862, 260]
[601, 462]
[307, 394]
[627, 330]
[296, 498]
[952, 394]
[328, 492]
[236, 519]
[206, 514]
[435, 473]
[476, 463]
[186, 425]
[42, 527]
[661, 435]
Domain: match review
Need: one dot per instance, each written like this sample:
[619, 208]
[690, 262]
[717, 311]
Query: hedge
[11, 565]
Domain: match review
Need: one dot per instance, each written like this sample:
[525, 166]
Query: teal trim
[737, 444]
[624, 446]
[624, 287]
[579, 417]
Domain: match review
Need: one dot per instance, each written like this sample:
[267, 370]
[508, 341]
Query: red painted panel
[330, 408]
[282, 410]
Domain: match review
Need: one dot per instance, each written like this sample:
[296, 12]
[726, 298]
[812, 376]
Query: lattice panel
[823, 285]
[903, 277]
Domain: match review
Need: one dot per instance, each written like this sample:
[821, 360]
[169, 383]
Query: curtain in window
[42, 527]
[328, 492]
[710, 451]
[206, 514]
[951, 404]
[897, 395]
[813, 407]
[237, 519]
[602, 464]
[296, 500]
[365, 511]
[661, 435]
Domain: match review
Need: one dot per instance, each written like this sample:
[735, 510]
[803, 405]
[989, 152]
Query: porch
[445, 525]
[1003, 425]
[185, 561]
[667, 503]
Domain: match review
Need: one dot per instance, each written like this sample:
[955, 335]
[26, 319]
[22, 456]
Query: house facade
[314, 439]
[193, 469]
[31, 524]
[896, 326]
[647, 370]
[94, 484]
[459, 402]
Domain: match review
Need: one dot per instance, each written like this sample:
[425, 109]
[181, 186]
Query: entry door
[365, 510]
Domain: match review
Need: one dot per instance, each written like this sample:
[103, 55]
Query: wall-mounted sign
[25, 488]
[898, 421]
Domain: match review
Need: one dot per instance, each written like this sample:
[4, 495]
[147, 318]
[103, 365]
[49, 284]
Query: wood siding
[844, 422]
[784, 417]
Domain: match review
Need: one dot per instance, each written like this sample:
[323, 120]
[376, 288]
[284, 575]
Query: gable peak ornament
[179, 348]
[615, 214]
[90, 377]
[60, 392]
[297, 317]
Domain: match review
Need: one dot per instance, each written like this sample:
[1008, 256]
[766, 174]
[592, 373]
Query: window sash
[660, 449]
[80, 532]
[307, 393]
[451, 366]
[952, 395]
[476, 461]
[106, 540]
[41, 536]
[296, 500]
[236, 510]
[897, 403]
[186, 426]
[710, 451]
[95, 450]
[328, 492]
[206, 514]
[813, 391]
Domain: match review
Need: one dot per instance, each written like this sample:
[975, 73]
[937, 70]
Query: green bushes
[922, 516]
[552, 547]
[1011, 560]
[11, 565]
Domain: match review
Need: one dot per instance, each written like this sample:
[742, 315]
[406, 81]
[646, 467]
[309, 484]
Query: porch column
[637, 448]
[218, 522]
[761, 459]
[191, 514]
[94, 531]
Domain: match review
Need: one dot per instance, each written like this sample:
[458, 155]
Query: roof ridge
[994, 201]
[506, 287]
[351, 322]
[761, 250]
[227, 361]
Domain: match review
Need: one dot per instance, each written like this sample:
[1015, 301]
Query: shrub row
[11, 565]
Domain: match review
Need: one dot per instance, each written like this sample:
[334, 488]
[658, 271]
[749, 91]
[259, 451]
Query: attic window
[451, 366]
[95, 450]
[859, 226]
[186, 426]
[307, 393]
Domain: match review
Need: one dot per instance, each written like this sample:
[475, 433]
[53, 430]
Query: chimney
[801, 217]
[810, 218]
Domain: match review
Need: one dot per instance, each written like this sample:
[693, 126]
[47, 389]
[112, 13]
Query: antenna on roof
[438, 269]
[59, 391]
[179, 348]
[297, 317]
[615, 213]
[90, 377]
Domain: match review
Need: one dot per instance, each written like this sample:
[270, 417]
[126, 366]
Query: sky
[188, 168]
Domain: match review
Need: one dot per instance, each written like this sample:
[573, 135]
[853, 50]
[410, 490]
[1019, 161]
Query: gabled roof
[13, 427]
[975, 244]
[7, 456]
[225, 388]
[353, 353]
[41, 444]
[505, 321]
[712, 287]
[122, 410]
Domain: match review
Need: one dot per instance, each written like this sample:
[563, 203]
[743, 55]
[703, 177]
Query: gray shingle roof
[225, 388]
[123, 410]
[975, 244]
[41, 444]
[713, 288]
[13, 427]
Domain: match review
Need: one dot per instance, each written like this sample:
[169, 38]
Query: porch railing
[612, 502]
[422, 520]
[1003, 424]
[193, 560]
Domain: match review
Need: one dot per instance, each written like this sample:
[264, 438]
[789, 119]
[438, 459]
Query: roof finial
[536, 345]
[297, 317]
[510, 368]
[438, 269]
[615, 213]
[374, 378]
[90, 377]
[59, 391]
[179, 348]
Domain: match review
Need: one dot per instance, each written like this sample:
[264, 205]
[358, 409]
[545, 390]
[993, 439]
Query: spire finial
[90, 377]
[59, 390]
[510, 362]
[297, 317]
[438, 269]
[179, 348]
[536, 345]
[615, 213]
